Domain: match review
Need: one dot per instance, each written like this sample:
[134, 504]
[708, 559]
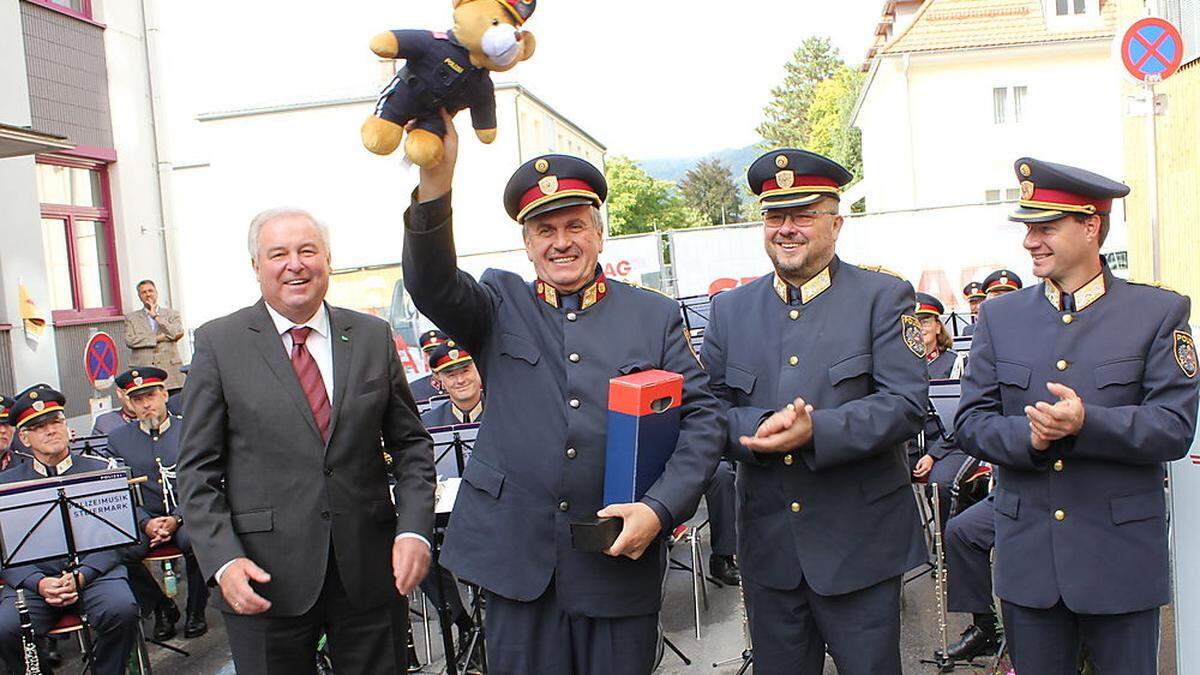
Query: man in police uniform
[454, 370]
[1080, 389]
[50, 591]
[6, 433]
[827, 524]
[1000, 282]
[425, 388]
[150, 448]
[975, 296]
[548, 350]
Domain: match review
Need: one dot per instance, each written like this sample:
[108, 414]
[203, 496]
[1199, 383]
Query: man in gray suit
[153, 333]
[283, 475]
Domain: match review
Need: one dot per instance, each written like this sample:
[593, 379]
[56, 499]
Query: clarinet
[943, 662]
[33, 662]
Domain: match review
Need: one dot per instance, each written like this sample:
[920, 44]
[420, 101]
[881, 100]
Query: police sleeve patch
[910, 331]
[1185, 353]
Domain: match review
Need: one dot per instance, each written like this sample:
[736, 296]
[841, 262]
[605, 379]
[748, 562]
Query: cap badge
[1025, 170]
[453, 354]
[1003, 281]
[137, 381]
[548, 185]
[450, 343]
[542, 166]
[1026, 189]
[781, 161]
[39, 405]
[785, 178]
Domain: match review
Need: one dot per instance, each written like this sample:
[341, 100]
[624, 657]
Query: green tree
[785, 118]
[639, 203]
[829, 114]
[710, 189]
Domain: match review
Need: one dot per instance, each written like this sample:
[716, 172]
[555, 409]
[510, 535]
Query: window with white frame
[1001, 195]
[1185, 14]
[1008, 104]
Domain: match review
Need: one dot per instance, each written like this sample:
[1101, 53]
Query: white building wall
[929, 136]
[137, 212]
[312, 158]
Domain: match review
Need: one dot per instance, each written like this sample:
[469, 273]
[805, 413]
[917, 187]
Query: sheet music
[447, 493]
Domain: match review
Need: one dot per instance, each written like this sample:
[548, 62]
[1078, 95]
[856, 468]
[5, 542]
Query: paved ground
[722, 635]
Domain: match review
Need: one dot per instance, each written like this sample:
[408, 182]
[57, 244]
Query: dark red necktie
[311, 382]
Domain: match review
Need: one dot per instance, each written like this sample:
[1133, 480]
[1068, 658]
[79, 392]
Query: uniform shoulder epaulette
[1154, 284]
[882, 270]
[652, 289]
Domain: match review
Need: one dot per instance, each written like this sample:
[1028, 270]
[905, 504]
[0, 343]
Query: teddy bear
[450, 70]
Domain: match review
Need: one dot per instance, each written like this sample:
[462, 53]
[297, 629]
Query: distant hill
[674, 168]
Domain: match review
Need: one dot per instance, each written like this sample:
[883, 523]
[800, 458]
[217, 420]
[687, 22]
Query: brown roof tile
[947, 25]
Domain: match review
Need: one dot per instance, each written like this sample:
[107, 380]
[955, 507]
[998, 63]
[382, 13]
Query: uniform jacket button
[1060, 515]
[1058, 465]
[574, 358]
[788, 459]
[793, 360]
[571, 453]
[795, 507]
[1067, 318]
[1061, 365]
[563, 506]
[571, 316]
[794, 314]
[574, 403]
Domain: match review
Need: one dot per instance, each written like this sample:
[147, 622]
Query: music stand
[695, 310]
[458, 439]
[91, 446]
[65, 516]
[452, 448]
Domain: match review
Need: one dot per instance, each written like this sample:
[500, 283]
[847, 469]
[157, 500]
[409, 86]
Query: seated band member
[7, 455]
[975, 296]
[942, 459]
[453, 372]
[548, 350]
[50, 590]
[969, 538]
[114, 419]
[150, 447]
[425, 388]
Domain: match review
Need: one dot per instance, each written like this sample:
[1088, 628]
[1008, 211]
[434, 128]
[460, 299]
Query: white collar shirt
[318, 342]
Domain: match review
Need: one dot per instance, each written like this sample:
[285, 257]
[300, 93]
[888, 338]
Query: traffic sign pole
[1152, 183]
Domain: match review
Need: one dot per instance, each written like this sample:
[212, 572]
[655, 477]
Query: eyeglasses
[801, 218]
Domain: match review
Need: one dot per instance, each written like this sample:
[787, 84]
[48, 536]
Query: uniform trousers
[970, 537]
[541, 637]
[722, 519]
[111, 613]
[792, 629]
[1048, 641]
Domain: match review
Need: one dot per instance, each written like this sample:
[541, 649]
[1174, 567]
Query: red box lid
[645, 393]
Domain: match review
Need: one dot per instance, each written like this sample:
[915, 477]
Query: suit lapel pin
[345, 338]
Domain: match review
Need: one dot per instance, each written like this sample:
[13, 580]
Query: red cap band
[801, 182]
[1060, 197]
[564, 184]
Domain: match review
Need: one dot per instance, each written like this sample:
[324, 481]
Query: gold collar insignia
[1086, 296]
[590, 295]
[809, 291]
[60, 469]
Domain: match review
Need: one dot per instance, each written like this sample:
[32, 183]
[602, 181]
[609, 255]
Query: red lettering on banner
[725, 283]
[622, 269]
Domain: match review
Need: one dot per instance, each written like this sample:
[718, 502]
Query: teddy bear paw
[381, 136]
[423, 148]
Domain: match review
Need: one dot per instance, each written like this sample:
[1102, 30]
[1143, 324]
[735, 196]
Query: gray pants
[1048, 641]
[791, 629]
[540, 637]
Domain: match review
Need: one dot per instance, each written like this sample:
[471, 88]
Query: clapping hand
[1049, 423]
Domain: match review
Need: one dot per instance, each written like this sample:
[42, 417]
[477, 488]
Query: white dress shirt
[318, 342]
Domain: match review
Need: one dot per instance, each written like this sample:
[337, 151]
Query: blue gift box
[643, 427]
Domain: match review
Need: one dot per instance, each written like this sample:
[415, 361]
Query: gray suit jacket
[142, 340]
[257, 480]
